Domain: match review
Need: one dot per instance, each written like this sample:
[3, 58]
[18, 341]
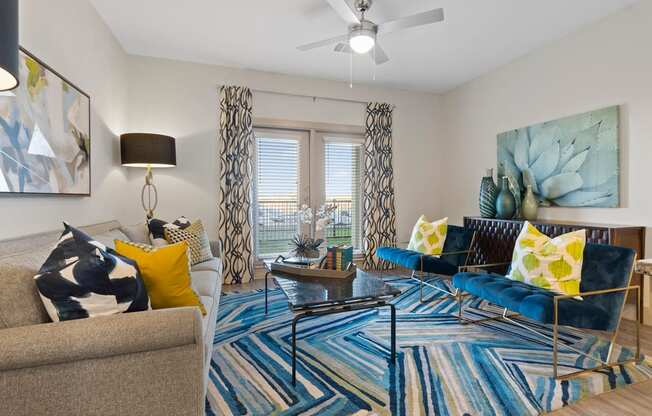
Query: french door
[281, 171]
[306, 167]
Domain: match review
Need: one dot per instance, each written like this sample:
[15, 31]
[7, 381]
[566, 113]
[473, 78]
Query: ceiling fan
[362, 34]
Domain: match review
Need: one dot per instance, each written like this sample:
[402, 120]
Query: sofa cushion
[20, 303]
[212, 265]
[109, 237]
[412, 260]
[138, 233]
[83, 278]
[205, 282]
[531, 301]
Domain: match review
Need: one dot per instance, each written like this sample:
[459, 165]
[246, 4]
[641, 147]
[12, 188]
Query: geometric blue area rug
[443, 368]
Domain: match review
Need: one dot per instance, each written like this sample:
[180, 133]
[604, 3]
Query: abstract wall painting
[570, 162]
[45, 134]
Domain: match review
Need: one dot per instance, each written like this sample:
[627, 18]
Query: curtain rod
[314, 97]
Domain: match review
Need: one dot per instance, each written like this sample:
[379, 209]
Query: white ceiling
[476, 37]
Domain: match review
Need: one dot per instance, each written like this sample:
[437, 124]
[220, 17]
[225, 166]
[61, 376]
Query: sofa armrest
[216, 248]
[101, 337]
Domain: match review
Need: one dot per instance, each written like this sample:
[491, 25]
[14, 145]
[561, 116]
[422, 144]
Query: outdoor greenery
[273, 242]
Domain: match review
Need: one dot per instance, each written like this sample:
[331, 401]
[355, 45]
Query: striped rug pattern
[443, 368]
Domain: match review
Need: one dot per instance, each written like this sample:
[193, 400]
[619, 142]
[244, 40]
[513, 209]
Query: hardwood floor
[630, 400]
[634, 400]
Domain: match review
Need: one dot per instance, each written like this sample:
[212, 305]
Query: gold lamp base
[150, 202]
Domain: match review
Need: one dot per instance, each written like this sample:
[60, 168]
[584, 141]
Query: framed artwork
[570, 162]
[45, 134]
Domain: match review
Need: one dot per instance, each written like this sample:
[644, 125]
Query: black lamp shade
[148, 150]
[8, 45]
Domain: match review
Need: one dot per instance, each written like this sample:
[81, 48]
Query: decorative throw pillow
[157, 229]
[83, 278]
[428, 237]
[165, 272]
[197, 239]
[550, 263]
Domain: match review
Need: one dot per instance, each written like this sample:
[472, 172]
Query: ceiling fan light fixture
[363, 37]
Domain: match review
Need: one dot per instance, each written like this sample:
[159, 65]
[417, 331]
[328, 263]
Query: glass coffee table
[308, 297]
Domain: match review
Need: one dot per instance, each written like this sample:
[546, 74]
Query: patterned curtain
[236, 152]
[378, 211]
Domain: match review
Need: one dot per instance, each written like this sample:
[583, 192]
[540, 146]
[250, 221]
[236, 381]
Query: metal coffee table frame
[331, 308]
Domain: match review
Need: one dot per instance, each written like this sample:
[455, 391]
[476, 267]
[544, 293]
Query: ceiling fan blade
[321, 43]
[343, 47]
[419, 19]
[379, 55]
[344, 11]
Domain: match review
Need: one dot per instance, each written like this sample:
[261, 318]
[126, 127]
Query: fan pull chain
[351, 70]
[373, 63]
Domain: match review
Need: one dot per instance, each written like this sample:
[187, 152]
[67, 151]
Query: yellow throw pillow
[429, 237]
[550, 263]
[165, 272]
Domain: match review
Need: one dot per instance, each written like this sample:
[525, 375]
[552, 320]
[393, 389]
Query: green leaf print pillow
[429, 237]
[550, 263]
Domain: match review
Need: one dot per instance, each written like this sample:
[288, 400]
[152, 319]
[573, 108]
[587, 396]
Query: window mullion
[304, 177]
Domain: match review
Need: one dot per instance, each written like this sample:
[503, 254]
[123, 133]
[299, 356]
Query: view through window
[285, 179]
[342, 166]
[277, 194]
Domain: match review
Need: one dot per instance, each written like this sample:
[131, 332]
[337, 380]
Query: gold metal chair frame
[555, 327]
[440, 277]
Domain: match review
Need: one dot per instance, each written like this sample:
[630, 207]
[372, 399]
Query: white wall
[605, 64]
[181, 99]
[70, 37]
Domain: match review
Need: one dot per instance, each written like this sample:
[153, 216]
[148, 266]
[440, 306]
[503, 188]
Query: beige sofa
[143, 363]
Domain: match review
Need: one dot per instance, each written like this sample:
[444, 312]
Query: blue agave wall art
[570, 162]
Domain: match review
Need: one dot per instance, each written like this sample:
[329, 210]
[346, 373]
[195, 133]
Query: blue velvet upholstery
[604, 267]
[457, 239]
[412, 260]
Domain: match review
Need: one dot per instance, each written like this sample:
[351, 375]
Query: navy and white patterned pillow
[83, 278]
[157, 229]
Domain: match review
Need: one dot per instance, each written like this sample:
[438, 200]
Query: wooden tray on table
[313, 270]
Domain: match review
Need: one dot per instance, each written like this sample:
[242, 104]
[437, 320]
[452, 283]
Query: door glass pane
[277, 194]
[342, 180]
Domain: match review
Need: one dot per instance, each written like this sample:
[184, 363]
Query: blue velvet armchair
[606, 279]
[455, 256]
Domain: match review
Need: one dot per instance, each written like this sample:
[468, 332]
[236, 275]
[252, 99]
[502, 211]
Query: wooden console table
[495, 239]
[645, 268]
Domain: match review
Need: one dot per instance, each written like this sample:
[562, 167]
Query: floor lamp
[146, 150]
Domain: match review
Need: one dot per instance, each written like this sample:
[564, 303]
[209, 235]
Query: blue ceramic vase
[505, 203]
[488, 195]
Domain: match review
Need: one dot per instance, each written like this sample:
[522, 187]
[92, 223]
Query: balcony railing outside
[278, 223]
[339, 231]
